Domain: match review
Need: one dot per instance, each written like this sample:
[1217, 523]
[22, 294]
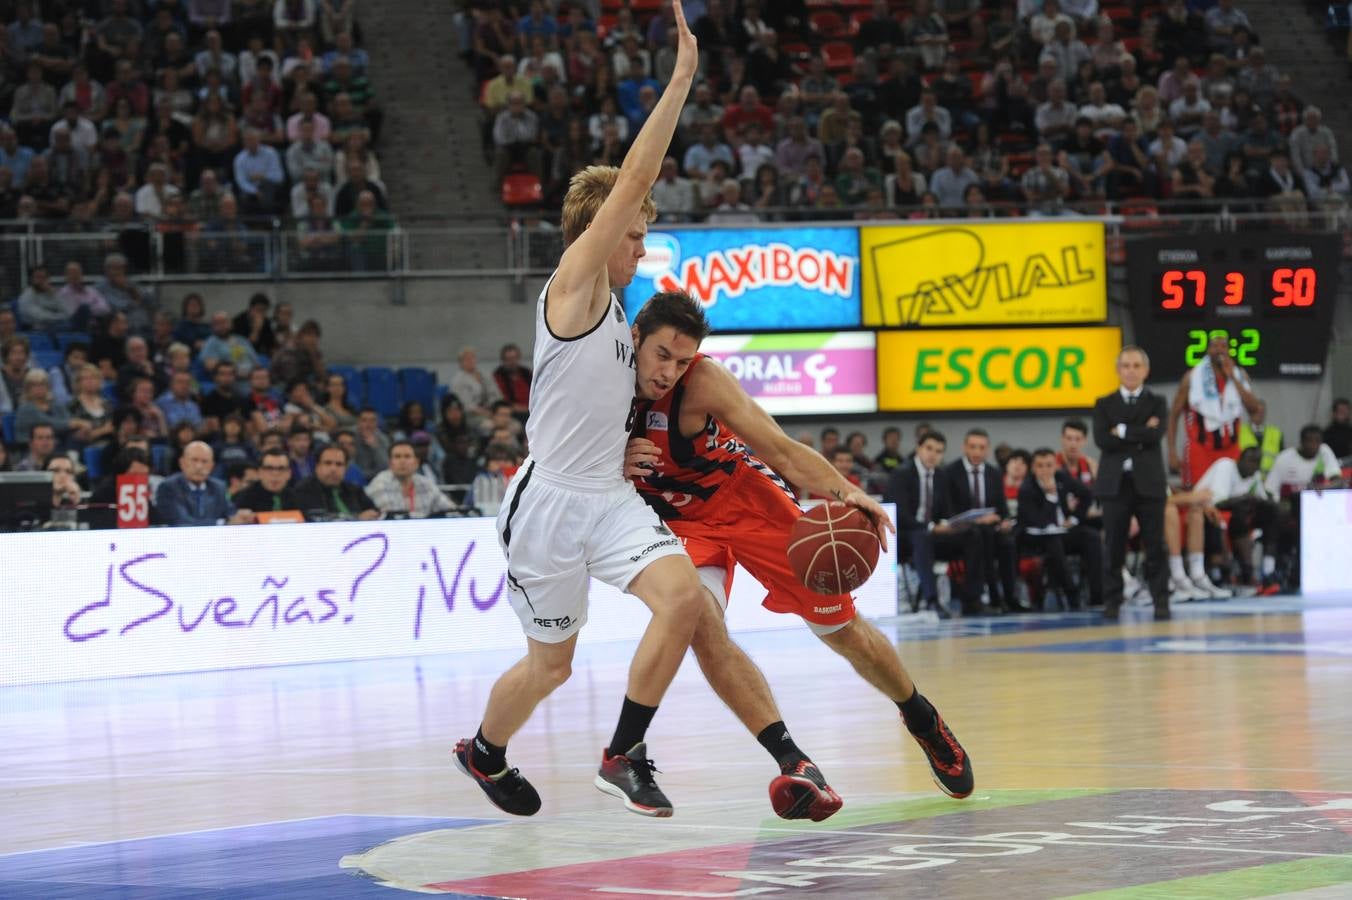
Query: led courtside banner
[924, 370]
[97, 604]
[802, 374]
[1021, 273]
[756, 279]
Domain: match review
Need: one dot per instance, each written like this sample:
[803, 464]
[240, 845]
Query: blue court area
[279, 859]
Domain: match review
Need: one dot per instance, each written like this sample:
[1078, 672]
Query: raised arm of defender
[580, 288]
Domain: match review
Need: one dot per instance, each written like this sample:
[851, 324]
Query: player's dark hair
[237, 469]
[1020, 454]
[1076, 425]
[829, 430]
[842, 449]
[332, 448]
[675, 309]
[276, 451]
[891, 429]
[933, 435]
[1311, 429]
[1044, 451]
[408, 444]
[1340, 401]
[977, 432]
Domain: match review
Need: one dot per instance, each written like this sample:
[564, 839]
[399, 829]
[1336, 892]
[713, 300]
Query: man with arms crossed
[569, 514]
[728, 506]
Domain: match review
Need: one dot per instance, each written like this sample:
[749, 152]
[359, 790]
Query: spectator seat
[382, 390]
[93, 462]
[522, 189]
[420, 385]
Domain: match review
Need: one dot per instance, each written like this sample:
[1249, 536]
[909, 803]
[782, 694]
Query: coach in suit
[193, 497]
[1052, 507]
[1129, 428]
[916, 487]
[970, 482]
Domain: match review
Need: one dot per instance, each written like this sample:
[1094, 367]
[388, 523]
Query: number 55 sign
[133, 501]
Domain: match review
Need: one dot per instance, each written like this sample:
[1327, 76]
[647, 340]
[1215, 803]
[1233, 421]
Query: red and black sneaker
[507, 790]
[629, 776]
[802, 793]
[950, 765]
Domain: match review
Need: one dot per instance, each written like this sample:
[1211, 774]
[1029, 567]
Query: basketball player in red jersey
[728, 506]
[1213, 399]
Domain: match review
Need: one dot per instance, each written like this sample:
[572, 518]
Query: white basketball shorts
[556, 538]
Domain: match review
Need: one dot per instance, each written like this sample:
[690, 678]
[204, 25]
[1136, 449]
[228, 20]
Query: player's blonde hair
[587, 190]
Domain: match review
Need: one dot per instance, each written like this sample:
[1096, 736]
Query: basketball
[833, 548]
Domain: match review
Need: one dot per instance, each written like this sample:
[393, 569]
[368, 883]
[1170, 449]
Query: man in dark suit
[970, 482]
[1129, 428]
[1052, 509]
[916, 487]
[193, 497]
[325, 495]
[272, 490]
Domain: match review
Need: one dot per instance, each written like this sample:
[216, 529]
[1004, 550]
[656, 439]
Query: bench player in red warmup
[689, 456]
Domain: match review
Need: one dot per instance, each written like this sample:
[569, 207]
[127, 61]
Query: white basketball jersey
[581, 399]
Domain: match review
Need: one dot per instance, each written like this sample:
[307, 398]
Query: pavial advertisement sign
[1020, 273]
[755, 279]
[802, 374]
[924, 370]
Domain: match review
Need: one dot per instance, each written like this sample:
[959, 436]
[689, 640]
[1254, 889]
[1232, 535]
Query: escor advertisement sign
[802, 374]
[1022, 273]
[996, 369]
[755, 279]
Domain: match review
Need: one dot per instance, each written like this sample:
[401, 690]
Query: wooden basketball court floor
[1210, 756]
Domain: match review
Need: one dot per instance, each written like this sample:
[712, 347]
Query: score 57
[1177, 283]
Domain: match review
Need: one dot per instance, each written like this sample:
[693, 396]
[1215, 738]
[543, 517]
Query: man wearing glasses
[272, 491]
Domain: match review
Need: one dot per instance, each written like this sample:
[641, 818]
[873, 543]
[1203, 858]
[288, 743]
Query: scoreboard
[1271, 294]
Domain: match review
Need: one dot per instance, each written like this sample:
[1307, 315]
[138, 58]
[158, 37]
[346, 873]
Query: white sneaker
[1213, 591]
[1182, 590]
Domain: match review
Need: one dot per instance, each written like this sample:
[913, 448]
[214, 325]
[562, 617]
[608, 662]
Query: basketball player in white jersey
[569, 513]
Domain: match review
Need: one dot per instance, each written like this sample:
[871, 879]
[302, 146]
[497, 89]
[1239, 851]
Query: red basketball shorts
[748, 523]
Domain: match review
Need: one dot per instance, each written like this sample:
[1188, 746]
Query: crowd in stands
[911, 107]
[197, 119]
[239, 413]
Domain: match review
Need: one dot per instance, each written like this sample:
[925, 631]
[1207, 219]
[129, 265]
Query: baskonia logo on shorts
[827, 610]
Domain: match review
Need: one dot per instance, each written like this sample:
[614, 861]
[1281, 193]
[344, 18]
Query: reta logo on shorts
[561, 622]
[736, 270]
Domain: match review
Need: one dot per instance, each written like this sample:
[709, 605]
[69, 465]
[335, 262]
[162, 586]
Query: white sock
[1176, 568]
[1269, 564]
[1197, 566]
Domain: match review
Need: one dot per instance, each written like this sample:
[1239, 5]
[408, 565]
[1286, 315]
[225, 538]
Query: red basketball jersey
[690, 471]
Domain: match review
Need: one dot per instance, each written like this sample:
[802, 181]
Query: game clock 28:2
[1242, 348]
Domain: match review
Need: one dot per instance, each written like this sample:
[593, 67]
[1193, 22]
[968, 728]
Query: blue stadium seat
[159, 457]
[47, 359]
[7, 425]
[39, 340]
[66, 338]
[356, 387]
[382, 390]
[93, 460]
[421, 385]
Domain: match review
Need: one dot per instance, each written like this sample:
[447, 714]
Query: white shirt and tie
[1130, 398]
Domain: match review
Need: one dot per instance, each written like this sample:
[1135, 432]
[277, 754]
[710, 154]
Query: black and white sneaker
[802, 793]
[507, 790]
[629, 776]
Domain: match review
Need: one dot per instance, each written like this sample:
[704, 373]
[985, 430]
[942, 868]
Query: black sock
[917, 713]
[633, 725]
[489, 759]
[775, 739]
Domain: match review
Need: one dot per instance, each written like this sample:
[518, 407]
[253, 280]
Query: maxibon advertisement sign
[756, 279]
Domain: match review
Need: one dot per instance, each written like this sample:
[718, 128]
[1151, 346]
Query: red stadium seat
[839, 56]
[827, 23]
[522, 189]
[1117, 13]
[858, 18]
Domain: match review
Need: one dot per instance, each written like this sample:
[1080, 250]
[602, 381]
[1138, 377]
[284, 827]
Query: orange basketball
[833, 548]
